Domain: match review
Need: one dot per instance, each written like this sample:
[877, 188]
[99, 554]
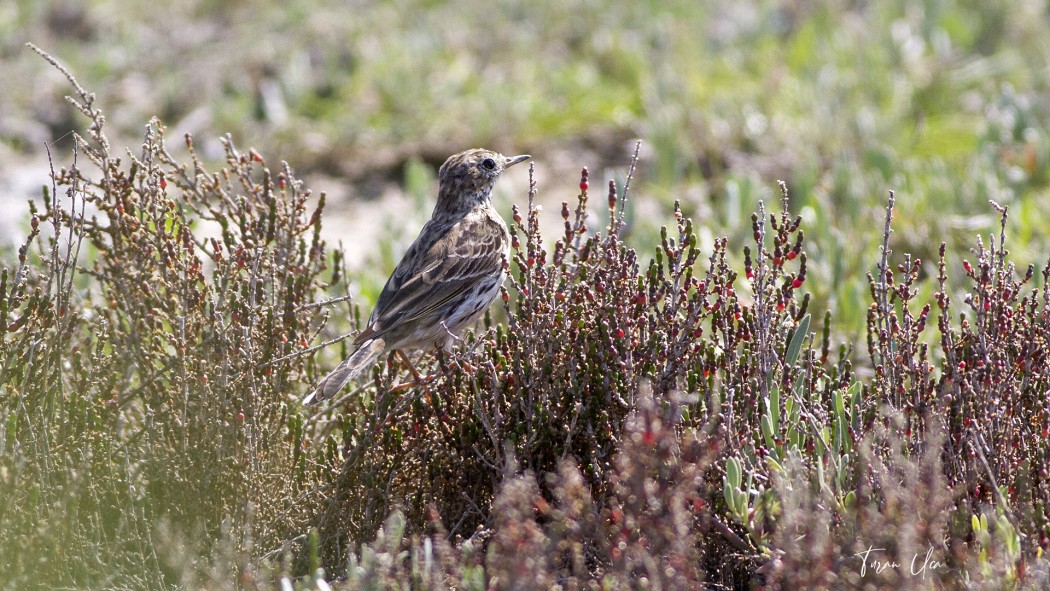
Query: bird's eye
[489, 164]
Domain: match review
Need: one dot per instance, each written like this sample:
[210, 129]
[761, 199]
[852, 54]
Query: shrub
[135, 381]
[672, 423]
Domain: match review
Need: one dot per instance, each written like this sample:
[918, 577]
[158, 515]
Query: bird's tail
[347, 370]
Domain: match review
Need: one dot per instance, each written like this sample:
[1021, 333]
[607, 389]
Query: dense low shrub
[133, 378]
[670, 422]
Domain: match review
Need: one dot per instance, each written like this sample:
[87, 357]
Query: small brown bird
[447, 278]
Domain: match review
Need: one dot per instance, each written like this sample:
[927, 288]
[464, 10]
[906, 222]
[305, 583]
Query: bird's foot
[419, 381]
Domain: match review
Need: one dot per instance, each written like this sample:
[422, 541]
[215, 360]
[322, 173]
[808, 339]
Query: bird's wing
[437, 269]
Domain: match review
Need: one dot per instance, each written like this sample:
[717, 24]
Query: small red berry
[797, 282]
[583, 187]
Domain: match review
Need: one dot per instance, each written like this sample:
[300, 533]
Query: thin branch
[324, 303]
[627, 185]
[304, 351]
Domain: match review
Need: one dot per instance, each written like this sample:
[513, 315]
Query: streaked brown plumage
[447, 278]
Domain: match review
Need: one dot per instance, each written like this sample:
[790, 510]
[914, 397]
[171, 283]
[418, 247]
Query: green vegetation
[646, 404]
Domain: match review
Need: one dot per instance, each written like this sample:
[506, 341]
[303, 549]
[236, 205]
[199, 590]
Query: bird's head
[465, 180]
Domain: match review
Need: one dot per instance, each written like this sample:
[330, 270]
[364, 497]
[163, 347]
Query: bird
[447, 277]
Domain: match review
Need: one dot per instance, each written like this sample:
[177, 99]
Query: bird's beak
[516, 159]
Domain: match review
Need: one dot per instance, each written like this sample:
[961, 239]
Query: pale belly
[472, 308]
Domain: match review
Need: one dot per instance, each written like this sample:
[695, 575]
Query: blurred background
[945, 102]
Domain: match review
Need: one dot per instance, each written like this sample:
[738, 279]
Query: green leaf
[773, 465]
[727, 494]
[840, 421]
[774, 408]
[843, 472]
[797, 338]
[767, 430]
[395, 530]
[733, 472]
[854, 405]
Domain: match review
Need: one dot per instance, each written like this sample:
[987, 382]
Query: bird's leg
[417, 379]
[411, 368]
[390, 363]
